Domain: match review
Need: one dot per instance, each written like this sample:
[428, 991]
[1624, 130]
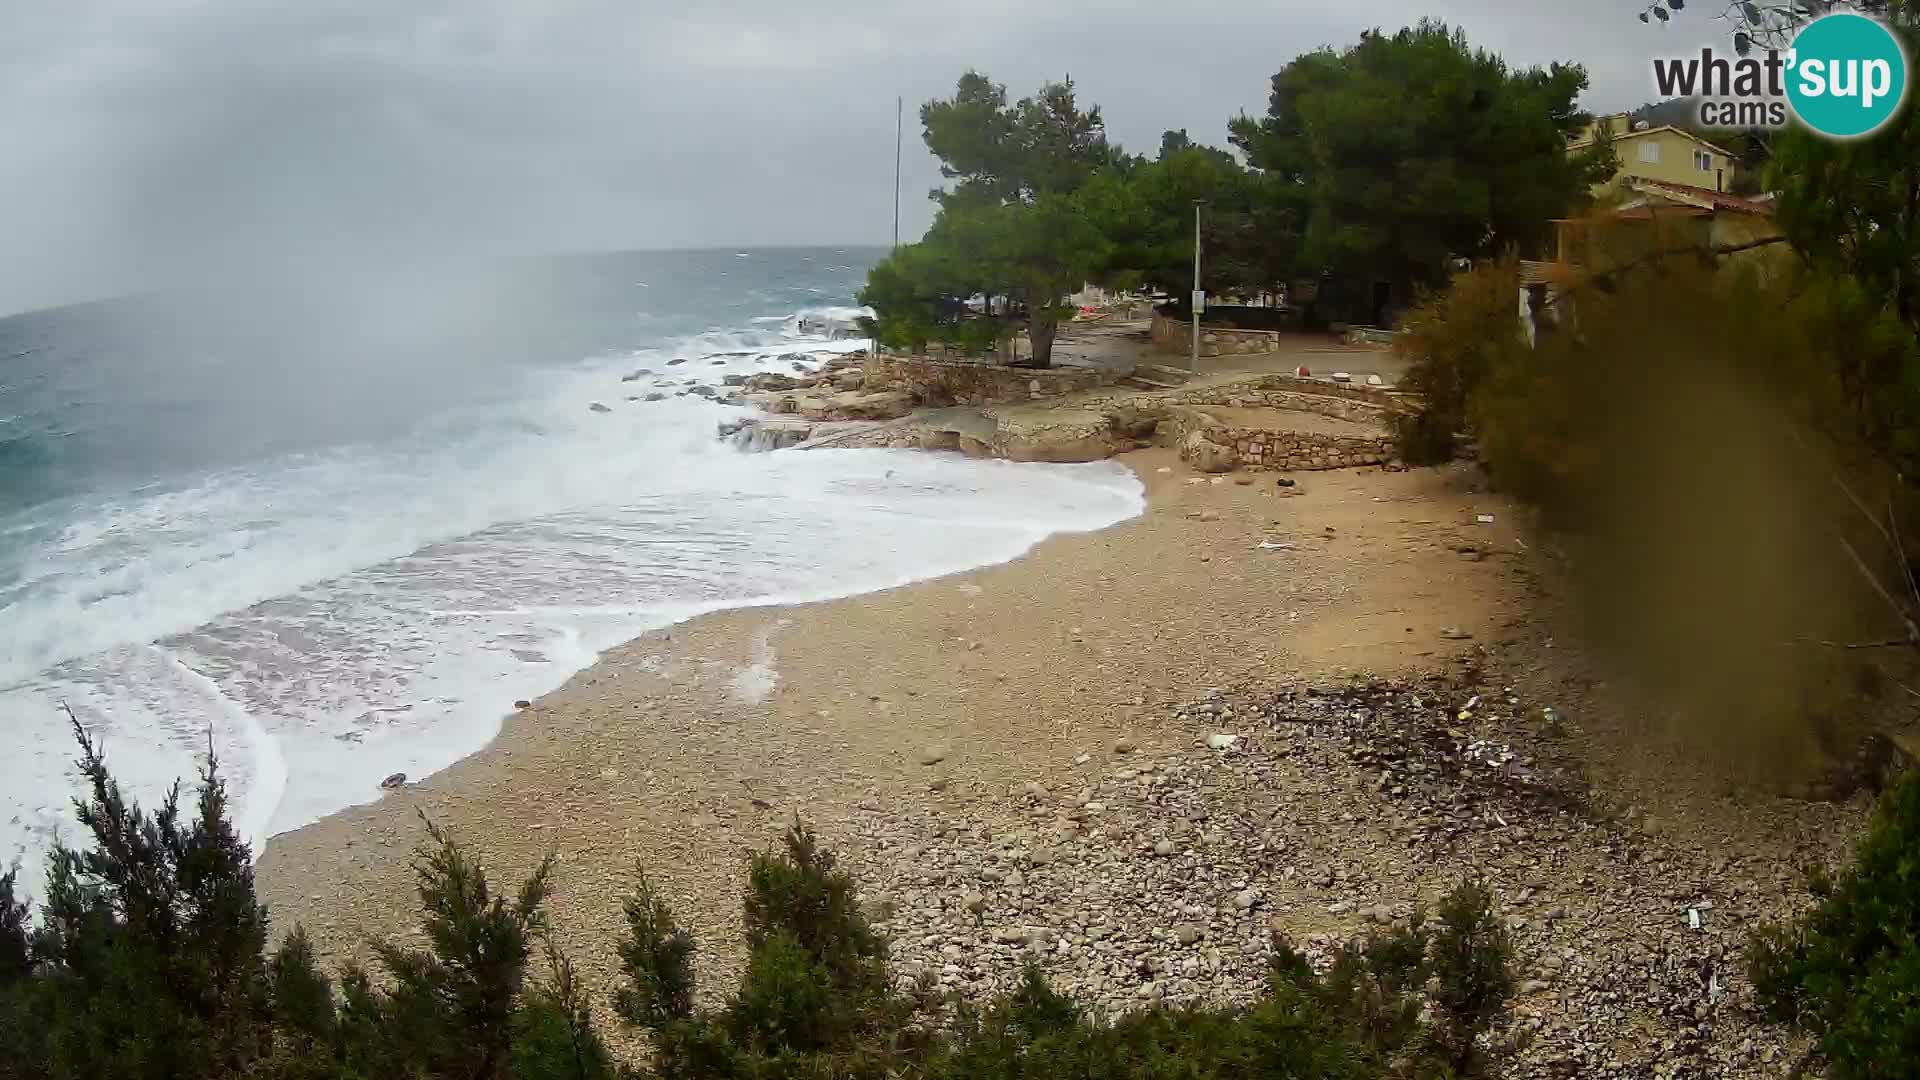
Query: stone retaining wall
[1360, 404]
[1238, 397]
[964, 382]
[1176, 336]
[1211, 446]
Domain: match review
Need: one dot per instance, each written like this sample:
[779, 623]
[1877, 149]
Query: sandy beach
[1013, 762]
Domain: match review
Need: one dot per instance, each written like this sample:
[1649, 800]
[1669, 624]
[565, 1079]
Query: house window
[1650, 152]
[1703, 160]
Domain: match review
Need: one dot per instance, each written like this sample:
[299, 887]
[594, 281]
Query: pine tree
[148, 962]
[658, 958]
[16, 957]
[451, 1009]
[554, 1038]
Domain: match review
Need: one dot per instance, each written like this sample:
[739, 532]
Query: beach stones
[933, 755]
[600, 407]
[398, 779]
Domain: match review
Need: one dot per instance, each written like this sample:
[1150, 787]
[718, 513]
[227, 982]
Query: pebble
[933, 755]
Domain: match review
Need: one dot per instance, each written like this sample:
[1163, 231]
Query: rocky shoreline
[1028, 762]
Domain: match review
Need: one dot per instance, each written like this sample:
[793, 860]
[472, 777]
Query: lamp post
[1198, 300]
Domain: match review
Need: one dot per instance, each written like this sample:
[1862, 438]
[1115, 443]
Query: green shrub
[658, 959]
[1450, 341]
[148, 961]
[553, 1034]
[815, 1002]
[1470, 956]
[451, 1008]
[151, 963]
[1849, 970]
[16, 958]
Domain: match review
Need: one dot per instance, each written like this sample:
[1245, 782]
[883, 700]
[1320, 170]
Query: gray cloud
[150, 141]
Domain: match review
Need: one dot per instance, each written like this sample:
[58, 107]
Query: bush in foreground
[1849, 970]
[816, 1001]
[150, 960]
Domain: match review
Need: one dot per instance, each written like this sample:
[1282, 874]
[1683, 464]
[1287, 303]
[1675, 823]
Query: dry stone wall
[965, 382]
[1212, 446]
[1176, 336]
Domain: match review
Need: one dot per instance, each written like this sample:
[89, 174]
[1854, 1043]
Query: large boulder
[884, 405]
[773, 380]
[1063, 447]
[1132, 422]
[761, 435]
[1208, 456]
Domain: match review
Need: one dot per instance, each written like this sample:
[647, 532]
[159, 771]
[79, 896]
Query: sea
[331, 524]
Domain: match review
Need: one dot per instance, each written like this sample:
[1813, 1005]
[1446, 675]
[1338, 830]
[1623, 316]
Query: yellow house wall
[1675, 163]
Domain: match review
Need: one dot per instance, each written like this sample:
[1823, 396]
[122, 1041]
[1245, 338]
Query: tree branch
[1715, 250]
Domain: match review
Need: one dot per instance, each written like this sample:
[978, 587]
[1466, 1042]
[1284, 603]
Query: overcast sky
[145, 141]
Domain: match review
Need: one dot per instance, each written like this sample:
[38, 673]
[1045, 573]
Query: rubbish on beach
[1485, 519]
[1269, 545]
[1341, 376]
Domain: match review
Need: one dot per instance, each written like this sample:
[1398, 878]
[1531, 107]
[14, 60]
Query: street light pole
[1195, 300]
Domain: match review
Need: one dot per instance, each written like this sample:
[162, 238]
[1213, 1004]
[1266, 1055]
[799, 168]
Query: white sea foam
[328, 619]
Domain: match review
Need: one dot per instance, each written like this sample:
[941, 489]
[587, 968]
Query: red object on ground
[1303, 372]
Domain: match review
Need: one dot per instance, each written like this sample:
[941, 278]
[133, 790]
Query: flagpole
[899, 107]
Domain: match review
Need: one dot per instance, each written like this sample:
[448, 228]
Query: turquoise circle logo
[1846, 75]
